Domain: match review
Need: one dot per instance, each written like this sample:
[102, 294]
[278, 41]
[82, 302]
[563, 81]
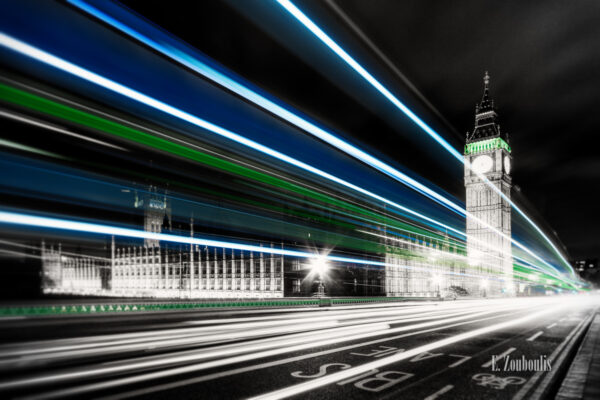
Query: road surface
[469, 349]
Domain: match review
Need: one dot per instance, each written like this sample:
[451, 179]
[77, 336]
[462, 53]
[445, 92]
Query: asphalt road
[403, 350]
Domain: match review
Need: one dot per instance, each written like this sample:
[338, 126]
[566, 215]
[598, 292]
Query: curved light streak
[321, 35]
[311, 26]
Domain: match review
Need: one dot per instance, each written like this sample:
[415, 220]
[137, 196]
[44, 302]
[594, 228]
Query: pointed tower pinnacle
[486, 104]
[486, 117]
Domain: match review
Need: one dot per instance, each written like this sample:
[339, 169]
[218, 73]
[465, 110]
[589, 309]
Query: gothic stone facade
[162, 272]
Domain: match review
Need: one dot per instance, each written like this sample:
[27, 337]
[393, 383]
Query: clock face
[482, 164]
[507, 164]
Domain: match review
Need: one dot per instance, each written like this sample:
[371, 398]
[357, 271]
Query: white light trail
[76, 226]
[300, 16]
[112, 344]
[161, 339]
[304, 321]
[229, 355]
[284, 345]
[340, 314]
[45, 125]
[18, 146]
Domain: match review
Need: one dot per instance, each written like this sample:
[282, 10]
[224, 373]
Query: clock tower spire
[488, 154]
[486, 117]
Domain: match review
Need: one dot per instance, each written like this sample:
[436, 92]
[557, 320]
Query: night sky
[543, 58]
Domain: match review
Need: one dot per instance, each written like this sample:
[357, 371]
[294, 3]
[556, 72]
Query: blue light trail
[223, 80]
[63, 65]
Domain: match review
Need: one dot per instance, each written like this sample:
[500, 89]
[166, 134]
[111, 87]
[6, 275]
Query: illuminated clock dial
[507, 164]
[482, 164]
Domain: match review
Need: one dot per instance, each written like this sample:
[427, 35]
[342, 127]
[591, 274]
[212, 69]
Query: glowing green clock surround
[486, 145]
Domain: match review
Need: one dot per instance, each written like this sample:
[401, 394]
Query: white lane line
[440, 392]
[557, 353]
[189, 339]
[551, 326]
[499, 357]
[43, 346]
[535, 336]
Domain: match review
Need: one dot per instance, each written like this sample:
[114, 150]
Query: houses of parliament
[415, 265]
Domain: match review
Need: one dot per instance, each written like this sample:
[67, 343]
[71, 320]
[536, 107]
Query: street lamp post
[319, 267]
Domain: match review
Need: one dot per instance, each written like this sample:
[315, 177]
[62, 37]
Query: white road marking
[424, 356]
[535, 336]
[368, 373]
[440, 392]
[366, 384]
[551, 326]
[389, 352]
[322, 371]
[521, 394]
[384, 349]
[456, 364]
[499, 357]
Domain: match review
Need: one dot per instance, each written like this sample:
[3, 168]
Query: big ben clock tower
[488, 153]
